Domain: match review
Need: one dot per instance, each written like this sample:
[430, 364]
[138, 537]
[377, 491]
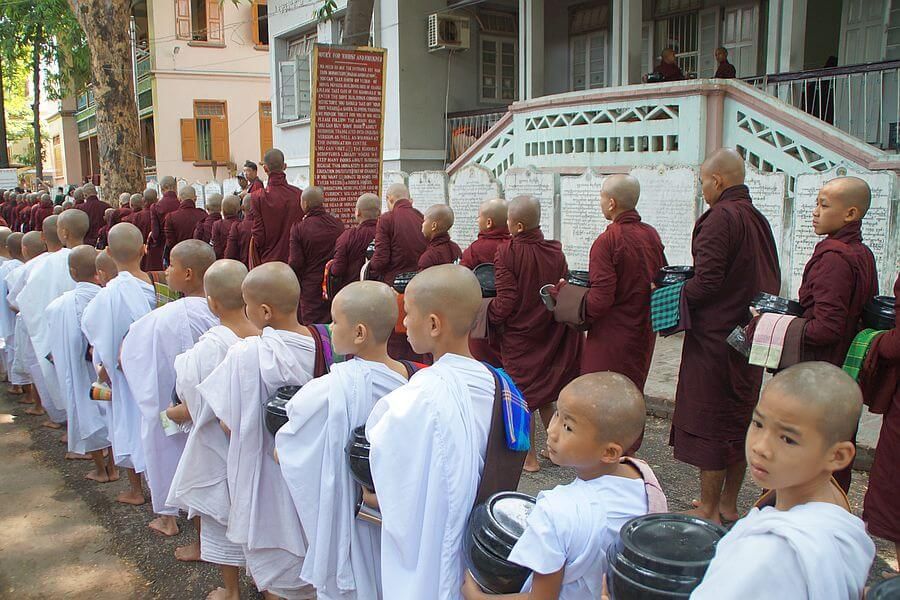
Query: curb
[664, 408]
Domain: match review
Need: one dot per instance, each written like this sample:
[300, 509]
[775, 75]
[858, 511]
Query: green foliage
[326, 10]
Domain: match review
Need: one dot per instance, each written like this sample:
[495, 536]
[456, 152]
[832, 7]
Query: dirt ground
[66, 537]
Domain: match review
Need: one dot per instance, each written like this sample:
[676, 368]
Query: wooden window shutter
[214, 26]
[304, 84]
[254, 22]
[219, 135]
[183, 19]
[265, 127]
[188, 139]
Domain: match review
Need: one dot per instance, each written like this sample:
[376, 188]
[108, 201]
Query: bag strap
[502, 466]
[324, 355]
[412, 367]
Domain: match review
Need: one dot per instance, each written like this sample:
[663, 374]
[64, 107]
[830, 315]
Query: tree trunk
[106, 27]
[4, 150]
[36, 107]
[358, 22]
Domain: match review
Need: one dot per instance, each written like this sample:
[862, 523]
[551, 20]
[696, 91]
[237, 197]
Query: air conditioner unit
[448, 32]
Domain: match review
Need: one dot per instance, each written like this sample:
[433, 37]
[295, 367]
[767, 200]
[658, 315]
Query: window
[199, 22]
[260, 24]
[265, 128]
[204, 138]
[588, 61]
[499, 79]
[294, 79]
[681, 33]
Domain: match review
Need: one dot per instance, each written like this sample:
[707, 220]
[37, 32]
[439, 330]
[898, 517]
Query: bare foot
[112, 473]
[223, 594]
[35, 411]
[189, 553]
[97, 476]
[165, 525]
[76, 456]
[24, 399]
[531, 464]
[16, 390]
[50, 424]
[129, 497]
[705, 514]
[730, 515]
[64, 438]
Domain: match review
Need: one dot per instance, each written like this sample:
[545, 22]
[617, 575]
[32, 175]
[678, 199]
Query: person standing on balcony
[734, 259]
[273, 211]
[668, 69]
[96, 209]
[725, 70]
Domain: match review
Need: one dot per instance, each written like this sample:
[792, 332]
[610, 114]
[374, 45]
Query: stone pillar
[626, 55]
[531, 49]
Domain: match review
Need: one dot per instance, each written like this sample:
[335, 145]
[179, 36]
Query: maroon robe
[203, 230]
[39, 212]
[143, 220]
[734, 259]
[238, 245]
[725, 70]
[398, 244]
[219, 234]
[124, 214]
[669, 72]
[541, 355]
[484, 248]
[440, 250]
[102, 238]
[880, 507]
[160, 210]
[95, 209]
[19, 216]
[255, 185]
[273, 212]
[312, 245]
[838, 280]
[350, 251]
[180, 223]
[624, 259]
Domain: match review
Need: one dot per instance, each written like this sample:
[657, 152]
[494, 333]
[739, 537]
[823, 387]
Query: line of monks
[166, 374]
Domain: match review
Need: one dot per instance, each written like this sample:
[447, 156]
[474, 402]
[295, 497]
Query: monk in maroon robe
[350, 247]
[541, 355]
[102, 235]
[41, 211]
[668, 69]
[95, 209]
[238, 245]
[312, 245]
[624, 259]
[180, 223]
[734, 259]
[440, 249]
[143, 218]
[880, 507]
[221, 228]
[398, 245]
[274, 211]
[203, 230]
[724, 70]
[251, 177]
[160, 210]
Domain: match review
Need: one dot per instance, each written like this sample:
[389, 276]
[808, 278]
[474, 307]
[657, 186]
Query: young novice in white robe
[200, 484]
[148, 362]
[428, 441]
[88, 420]
[124, 300]
[262, 517]
[5, 232]
[342, 560]
[809, 544]
[598, 417]
[8, 317]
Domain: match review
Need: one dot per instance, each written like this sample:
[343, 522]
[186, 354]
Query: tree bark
[36, 107]
[358, 22]
[4, 150]
[106, 27]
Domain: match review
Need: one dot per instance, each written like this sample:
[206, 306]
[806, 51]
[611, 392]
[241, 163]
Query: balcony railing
[464, 129]
[142, 64]
[863, 100]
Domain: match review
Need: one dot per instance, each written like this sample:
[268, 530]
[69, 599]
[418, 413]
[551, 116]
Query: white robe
[148, 362]
[106, 320]
[7, 317]
[88, 420]
[817, 551]
[19, 373]
[262, 516]
[428, 442]
[573, 525]
[342, 557]
[200, 484]
[46, 282]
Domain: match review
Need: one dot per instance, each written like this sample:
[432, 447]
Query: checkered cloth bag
[665, 309]
[856, 355]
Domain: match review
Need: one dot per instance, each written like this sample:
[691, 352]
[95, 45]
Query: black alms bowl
[673, 274]
[879, 313]
[485, 274]
[494, 528]
[358, 455]
[579, 278]
[402, 280]
[770, 303]
[661, 556]
[370, 250]
[276, 410]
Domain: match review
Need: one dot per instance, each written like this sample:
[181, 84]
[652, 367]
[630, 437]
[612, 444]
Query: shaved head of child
[272, 293]
[14, 245]
[188, 263]
[222, 284]
[802, 432]
[523, 214]
[126, 244]
[438, 219]
[364, 313]
[5, 232]
[441, 304]
[32, 245]
[51, 234]
[83, 263]
[841, 201]
[72, 226]
[619, 193]
[106, 268]
[492, 214]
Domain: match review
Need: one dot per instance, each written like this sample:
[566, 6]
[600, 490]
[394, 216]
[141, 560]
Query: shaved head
[78, 194]
[58, 209]
[312, 197]
[438, 220]
[231, 204]
[370, 303]
[611, 402]
[246, 203]
[5, 232]
[222, 282]
[450, 291]
[852, 191]
[624, 189]
[196, 255]
[106, 265]
[727, 163]
[274, 284]
[124, 198]
[168, 184]
[89, 190]
[135, 200]
[495, 209]
[187, 193]
[525, 210]
[396, 191]
[368, 206]
[32, 245]
[214, 203]
[831, 397]
[274, 160]
[76, 224]
[51, 234]
[14, 244]
[126, 243]
[83, 263]
[150, 196]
